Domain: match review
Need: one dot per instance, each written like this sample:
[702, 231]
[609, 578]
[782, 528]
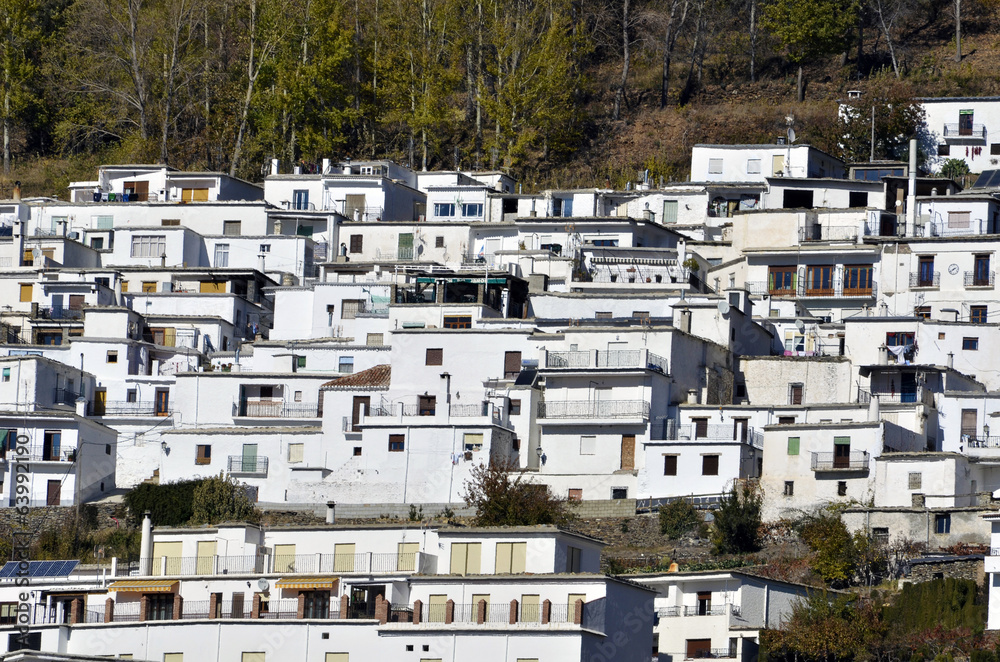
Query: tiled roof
[377, 377]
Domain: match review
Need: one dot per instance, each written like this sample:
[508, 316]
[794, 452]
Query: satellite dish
[36, 253]
[791, 134]
[723, 307]
[800, 325]
[263, 584]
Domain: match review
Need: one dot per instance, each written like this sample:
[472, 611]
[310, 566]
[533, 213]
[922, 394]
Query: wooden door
[740, 426]
[237, 605]
[100, 401]
[842, 452]
[969, 422]
[628, 452]
[53, 493]
[699, 648]
[359, 401]
[162, 402]
[76, 301]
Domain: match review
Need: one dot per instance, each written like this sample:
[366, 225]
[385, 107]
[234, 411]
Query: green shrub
[946, 603]
[737, 521]
[169, 504]
[220, 499]
[678, 518]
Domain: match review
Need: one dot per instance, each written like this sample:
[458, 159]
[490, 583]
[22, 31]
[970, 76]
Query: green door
[249, 458]
[405, 251]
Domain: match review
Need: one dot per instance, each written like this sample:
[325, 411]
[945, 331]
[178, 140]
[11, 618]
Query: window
[349, 309]
[640, 315]
[914, 480]
[709, 465]
[925, 273]
[131, 395]
[981, 276]
[789, 488]
[232, 228]
[942, 523]
[510, 558]
[265, 248]
[515, 407]
[781, 280]
[841, 488]
[858, 280]
[669, 465]
[970, 343]
[795, 394]
[619, 492]
[977, 314]
[819, 281]
[511, 365]
[204, 454]
[669, 211]
[375, 340]
[959, 220]
[298, 396]
[458, 321]
[6, 374]
[221, 256]
[97, 243]
[588, 444]
[715, 166]
[472, 210]
[944, 150]
[194, 194]
[159, 607]
[793, 445]
[357, 451]
[753, 166]
[170, 222]
[104, 222]
[346, 364]
[700, 427]
[575, 494]
[994, 149]
[446, 209]
[397, 443]
[923, 312]
[473, 441]
[112, 356]
[149, 246]
[26, 291]
[438, 242]
[317, 604]
[899, 338]
[300, 361]
[465, 559]
[357, 242]
[149, 286]
[858, 199]
[296, 453]
[300, 199]
[435, 356]
[603, 315]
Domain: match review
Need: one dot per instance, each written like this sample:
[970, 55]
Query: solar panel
[39, 569]
[988, 179]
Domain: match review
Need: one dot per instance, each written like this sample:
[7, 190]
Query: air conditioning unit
[827, 319]
[75, 236]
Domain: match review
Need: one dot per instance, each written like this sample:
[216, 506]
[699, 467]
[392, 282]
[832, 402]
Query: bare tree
[889, 13]
[958, 30]
[626, 60]
[182, 22]
[675, 20]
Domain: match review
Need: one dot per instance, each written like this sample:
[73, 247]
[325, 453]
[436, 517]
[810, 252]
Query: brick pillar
[344, 604]
[513, 612]
[449, 611]
[109, 610]
[143, 607]
[213, 604]
[178, 607]
[74, 610]
[546, 611]
[381, 610]
[578, 612]
[417, 606]
[301, 610]
[481, 612]
[255, 610]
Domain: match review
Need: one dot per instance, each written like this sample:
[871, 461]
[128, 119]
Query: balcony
[60, 313]
[853, 461]
[979, 279]
[275, 409]
[41, 453]
[362, 562]
[62, 396]
[594, 409]
[836, 290]
[125, 408]
[712, 432]
[925, 279]
[953, 228]
[247, 466]
[962, 133]
[605, 359]
[842, 233]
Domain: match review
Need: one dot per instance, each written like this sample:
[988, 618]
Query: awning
[143, 585]
[328, 583]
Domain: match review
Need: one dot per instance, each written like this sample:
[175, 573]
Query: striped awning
[143, 585]
[328, 583]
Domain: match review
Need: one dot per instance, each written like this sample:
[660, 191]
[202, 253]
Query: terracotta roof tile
[377, 377]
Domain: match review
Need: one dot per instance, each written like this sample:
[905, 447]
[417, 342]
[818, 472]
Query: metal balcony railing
[567, 359]
[714, 653]
[393, 409]
[124, 408]
[619, 358]
[853, 461]
[835, 289]
[60, 313]
[594, 409]
[62, 396]
[247, 466]
[828, 233]
[275, 409]
[974, 279]
[974, 226]
[976, 131]
[918, 279]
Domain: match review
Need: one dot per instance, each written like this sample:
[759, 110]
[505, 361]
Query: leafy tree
[502, 497]
[20, 38]
[738, 520]
[169, 504]
[810, 29]
[222, 498]
[897, 117]
[678, 518]
[947, 603]
[954, 169]
[836, 555]
[827, 629]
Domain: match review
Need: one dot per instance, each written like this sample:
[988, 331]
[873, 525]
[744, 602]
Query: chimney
[260, 263]
[951, 360]
[274, 166]
[331, 512]
[81, 405]
[118, 291]
[911, 196]
[326, 166]
[146, 544]
[163, 260]
[17, 191]
[873, 409]
[692, 396]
